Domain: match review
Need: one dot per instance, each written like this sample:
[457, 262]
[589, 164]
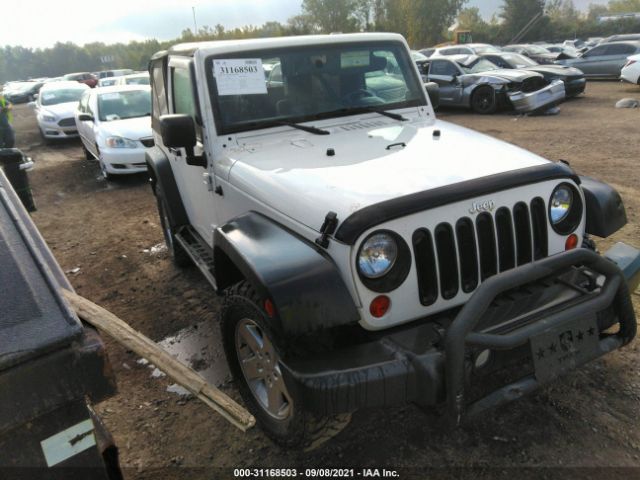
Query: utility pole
[195, 24]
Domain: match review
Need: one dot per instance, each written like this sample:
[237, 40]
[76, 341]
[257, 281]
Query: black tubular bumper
[461, 335]
[431, 363]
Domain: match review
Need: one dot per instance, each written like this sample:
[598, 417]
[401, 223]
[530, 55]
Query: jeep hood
[297, 176]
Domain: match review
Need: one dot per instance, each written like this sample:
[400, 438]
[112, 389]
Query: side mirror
[179, 131]
[433, 90]
[31, 104]
[85, 117]
[35, 96]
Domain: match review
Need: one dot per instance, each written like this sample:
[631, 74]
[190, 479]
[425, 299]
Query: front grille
[147, 142]
[457, 258]
[534, 84]
[67, 122]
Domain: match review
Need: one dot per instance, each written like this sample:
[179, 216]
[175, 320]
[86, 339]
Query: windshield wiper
[395, 116]
[305, 128]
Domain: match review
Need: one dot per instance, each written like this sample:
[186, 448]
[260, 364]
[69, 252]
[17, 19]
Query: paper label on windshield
[355, 59]
[240, 77]
[48, 96]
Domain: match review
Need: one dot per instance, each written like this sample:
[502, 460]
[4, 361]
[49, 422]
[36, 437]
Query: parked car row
[475, 82]
[596, 58]
[27, 90]
[113, 123]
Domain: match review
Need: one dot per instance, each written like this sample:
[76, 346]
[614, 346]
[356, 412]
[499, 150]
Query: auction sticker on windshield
[355, 59]
[240, 77]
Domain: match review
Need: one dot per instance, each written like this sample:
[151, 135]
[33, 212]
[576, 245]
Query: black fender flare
[160, 173]
[299, 277]
[605, 210]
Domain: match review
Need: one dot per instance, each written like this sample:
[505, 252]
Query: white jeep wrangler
[369, 254]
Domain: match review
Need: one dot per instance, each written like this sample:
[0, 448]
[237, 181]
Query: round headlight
[560, 204]
[565, 209]
[377, 255]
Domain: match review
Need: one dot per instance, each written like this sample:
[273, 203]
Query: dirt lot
[587, 419]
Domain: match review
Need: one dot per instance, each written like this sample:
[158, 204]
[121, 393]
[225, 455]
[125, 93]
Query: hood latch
[328, 228]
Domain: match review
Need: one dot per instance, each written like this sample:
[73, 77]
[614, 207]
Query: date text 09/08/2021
[315, 473]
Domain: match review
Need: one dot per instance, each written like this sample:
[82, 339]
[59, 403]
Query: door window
[450, 51]
[620, 49]
[499, 61]
[443, 67]
[159, 94]
[594, 52]
[183, 99]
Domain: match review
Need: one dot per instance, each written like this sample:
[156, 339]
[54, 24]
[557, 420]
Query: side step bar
[199, 251]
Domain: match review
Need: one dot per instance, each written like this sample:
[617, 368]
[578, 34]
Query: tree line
[561, 21]
[423, 22]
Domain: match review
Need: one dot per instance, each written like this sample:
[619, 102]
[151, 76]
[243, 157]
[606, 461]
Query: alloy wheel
[260, 365]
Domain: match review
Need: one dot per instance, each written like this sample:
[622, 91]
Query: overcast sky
[41, 23]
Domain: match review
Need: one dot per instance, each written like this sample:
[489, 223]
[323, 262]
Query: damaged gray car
[473, 82]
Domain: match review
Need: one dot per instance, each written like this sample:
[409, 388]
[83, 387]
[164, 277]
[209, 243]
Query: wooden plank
[146, 348]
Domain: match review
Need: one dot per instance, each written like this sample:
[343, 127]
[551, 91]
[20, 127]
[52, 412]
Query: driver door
[445, 73]
[195, 183]
[591, 62]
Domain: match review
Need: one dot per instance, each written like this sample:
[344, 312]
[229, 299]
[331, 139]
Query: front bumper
[630, 76]
[575, 87]
[52, 130]
[436, 363]
[552, 94]
[121, 161]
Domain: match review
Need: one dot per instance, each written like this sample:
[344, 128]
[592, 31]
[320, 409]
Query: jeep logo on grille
[486, 206]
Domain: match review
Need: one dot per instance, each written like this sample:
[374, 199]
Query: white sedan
[631, 71]
[55, 108]
[134, 79]
[114, 124]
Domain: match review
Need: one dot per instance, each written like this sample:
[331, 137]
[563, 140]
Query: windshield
[125, 104]
[486, 49]
[537, 50]
[20, 87]
[418, 57]
[518, 60]
[144, 80]
[311, 82]
[54, 97]
[479, 66]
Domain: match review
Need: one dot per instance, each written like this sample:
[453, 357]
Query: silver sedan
[605, 60]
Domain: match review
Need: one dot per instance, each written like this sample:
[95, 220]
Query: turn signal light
[572, 242]
[269, 308]
[379, 306]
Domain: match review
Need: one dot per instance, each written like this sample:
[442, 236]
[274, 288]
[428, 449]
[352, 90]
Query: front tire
[180, 258]
[484, 100]
[254, 357]
[85, 150]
